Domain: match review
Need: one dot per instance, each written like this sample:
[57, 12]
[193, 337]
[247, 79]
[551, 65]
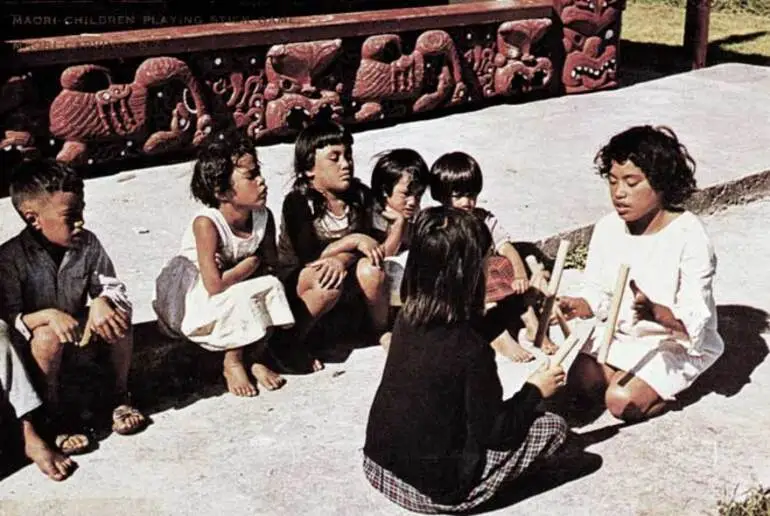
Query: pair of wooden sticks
[551, 308]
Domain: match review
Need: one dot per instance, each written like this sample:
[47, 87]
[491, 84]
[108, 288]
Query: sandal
[72, 444]
[120, 420]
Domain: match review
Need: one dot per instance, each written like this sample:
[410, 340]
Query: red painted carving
[292, 72]
[591, 35]
[387, 74]
[509, 66]
[120, 111]
[245, 99]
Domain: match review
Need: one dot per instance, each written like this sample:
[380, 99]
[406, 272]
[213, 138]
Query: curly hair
[657, 151]
[36, 178]
[455, 173]
[213, 171]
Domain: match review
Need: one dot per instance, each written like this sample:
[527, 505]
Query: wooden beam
[696, 31]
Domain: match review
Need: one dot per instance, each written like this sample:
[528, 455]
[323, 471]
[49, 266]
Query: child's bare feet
[509, 348]
[238, 381]
[549, 348]
[266, 377]
[127, 420]
[317, 365]
[385, 340]
[72, 444]
[53, 464]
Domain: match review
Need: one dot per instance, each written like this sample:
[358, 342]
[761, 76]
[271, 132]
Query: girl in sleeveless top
[231, 299]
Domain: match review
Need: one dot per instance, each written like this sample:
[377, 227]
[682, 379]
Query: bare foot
[317, 365]
[509, 348]
[238, 381]
[548, 347]
[385, 340]
[54, 464]
[266, 377]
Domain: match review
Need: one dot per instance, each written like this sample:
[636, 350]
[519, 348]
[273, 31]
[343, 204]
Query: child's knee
[44, 340]
[368, 275]
[620, 402]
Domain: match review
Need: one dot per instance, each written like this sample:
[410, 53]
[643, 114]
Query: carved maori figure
[387, 74]
[292, 71]
[509, 67]
[245, 100]
[591, 35]
[120, 111]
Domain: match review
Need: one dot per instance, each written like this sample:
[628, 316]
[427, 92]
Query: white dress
[674, 267]
[243, 313]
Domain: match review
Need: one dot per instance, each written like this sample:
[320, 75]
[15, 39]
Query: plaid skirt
[545, 436]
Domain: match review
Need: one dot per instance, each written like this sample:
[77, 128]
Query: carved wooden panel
[104, 111]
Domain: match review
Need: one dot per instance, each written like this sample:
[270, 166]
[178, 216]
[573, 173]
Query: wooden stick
[572, 341]
[553, 287]
[537, 268]
[609, 329]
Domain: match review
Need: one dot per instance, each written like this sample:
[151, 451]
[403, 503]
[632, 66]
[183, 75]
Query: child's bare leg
[631, 399]
[318, 301]
[235, 374]
[372, 282]
[508, 347]
[265, 376]
[47, 352]
[126, 419]
[531, 322]
[588, 377]
[54, 464]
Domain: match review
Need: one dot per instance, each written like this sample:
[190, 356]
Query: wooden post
[609, 328]
[696, 31]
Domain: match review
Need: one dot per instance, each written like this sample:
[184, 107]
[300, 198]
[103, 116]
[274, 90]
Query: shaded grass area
[652, 35]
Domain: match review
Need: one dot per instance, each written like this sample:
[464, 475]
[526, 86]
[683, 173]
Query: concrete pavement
[297, 450]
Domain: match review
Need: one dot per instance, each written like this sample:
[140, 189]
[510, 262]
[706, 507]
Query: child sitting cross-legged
[440, 437]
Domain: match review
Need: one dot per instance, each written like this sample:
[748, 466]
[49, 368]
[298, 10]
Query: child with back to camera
[326, 250]
[667, 326]
[439, 437]
[48, 275]
[232, 300]
[456, 180]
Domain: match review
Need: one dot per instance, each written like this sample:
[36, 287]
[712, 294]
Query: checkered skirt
[545, 436]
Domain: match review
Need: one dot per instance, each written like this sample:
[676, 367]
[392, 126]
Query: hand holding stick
[553, 287]
[537, 268]
[609, 329]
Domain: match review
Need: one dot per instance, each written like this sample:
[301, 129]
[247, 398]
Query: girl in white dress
[233, 301]
[666, 334]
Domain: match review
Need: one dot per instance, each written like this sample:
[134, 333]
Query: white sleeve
[499, 235]
[593, 288]
[694, 302]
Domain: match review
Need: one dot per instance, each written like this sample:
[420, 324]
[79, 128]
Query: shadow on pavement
[569, 464]
[641, 62]
[741, 328]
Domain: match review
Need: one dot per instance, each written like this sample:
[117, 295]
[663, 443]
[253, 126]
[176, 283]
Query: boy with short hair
[49, 271]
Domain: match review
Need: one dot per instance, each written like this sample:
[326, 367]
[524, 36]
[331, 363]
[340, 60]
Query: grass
[731, 34]
[755, 502]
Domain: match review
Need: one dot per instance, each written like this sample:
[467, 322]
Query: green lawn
[731, 35]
